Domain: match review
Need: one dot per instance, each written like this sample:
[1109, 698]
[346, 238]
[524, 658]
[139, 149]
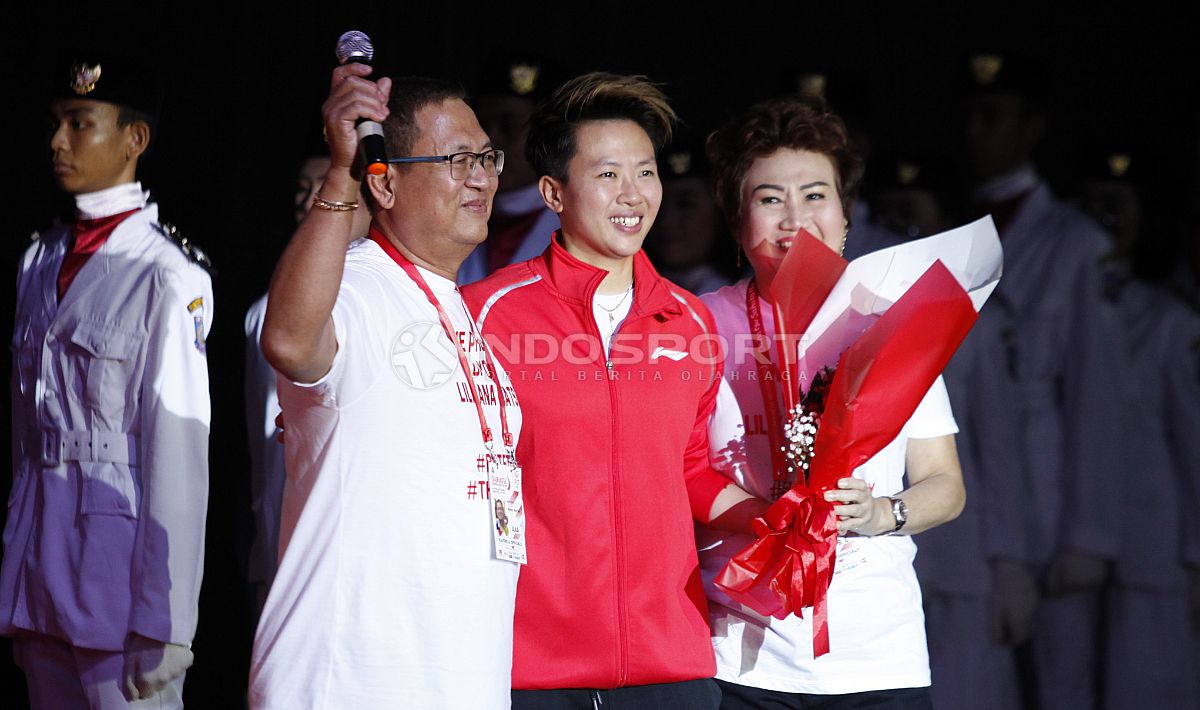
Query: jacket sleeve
[168, 556]
[703, 481]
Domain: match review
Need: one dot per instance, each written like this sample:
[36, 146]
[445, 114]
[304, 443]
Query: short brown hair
[796, 122]
[597, 96]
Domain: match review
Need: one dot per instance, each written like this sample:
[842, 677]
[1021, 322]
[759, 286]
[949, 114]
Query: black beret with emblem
[1111, 163]
[989, 71]
[905, 168]
[846, 92]
[115, 79]
[517, 74]
[684, 157]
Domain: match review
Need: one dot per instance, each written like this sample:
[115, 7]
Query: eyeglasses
[463, 164]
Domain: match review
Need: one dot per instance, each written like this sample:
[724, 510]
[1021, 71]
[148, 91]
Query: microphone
[355, 46]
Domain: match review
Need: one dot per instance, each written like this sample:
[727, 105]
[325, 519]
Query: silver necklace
[610, 311]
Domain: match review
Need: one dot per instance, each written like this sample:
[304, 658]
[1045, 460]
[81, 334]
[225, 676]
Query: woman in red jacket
[617, 372]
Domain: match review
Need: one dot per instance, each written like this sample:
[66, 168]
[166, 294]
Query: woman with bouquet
[787, 165]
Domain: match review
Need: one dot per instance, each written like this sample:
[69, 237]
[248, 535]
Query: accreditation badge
[507, 508]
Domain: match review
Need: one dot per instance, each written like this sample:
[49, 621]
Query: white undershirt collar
[1007, 186]
[610, 310]
[113, 200]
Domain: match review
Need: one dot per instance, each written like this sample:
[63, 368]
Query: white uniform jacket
[1068, 356]
[105, 531]
[1162, 481]
[535, 241]
[956, 558]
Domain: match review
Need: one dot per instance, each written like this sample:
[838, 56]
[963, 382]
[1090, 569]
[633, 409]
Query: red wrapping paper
[879, 382]
[799, 281]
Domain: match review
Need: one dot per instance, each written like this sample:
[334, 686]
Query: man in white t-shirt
[389, 591]
[261, 401]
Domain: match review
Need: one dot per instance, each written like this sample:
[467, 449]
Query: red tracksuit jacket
[615, 454]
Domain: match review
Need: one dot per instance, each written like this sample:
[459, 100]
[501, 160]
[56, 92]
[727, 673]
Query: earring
[846, 231]
[739, 258]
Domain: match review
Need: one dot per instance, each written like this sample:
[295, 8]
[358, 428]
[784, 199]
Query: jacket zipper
[618, 526]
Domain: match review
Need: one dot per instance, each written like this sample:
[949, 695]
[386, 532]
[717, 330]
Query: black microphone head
[354, 46]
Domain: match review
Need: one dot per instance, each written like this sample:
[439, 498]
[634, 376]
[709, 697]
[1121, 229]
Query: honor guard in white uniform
[521, 224]
[1067, 358]
[1150, 646]
[689, 243]
[846, 94]
[104, 543]
[976, 607]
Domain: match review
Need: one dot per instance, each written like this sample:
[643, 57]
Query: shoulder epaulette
[193, 252]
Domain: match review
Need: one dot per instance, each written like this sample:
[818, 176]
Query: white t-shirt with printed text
[388, 592]
[876, 624]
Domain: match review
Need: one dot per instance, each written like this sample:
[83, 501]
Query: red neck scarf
[90, 235]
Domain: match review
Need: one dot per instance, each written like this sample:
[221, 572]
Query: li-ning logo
[663, 352]
[422, 357]
[84, 78]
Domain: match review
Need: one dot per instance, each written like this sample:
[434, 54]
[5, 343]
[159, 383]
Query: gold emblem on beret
[986, 67]
[680, 162]
[906, 173]
[523, 78]
[1118, 164]
[84, 78]
[812, 85]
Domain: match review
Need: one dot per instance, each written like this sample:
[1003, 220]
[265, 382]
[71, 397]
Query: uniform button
[49, 394]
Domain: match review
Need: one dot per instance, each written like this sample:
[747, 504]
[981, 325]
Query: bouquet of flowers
[862, 342]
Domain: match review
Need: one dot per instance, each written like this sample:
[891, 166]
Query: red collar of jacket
[575, 282]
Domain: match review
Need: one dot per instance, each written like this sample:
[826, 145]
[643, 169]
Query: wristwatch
[899, 512]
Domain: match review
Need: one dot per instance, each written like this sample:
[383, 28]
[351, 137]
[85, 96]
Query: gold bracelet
[323, 204]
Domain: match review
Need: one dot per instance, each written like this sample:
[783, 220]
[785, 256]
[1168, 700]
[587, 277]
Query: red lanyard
[768, 375]
[409, 268]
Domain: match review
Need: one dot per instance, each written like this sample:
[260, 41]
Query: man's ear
[383, 189]
[139, 139]
[552, 191]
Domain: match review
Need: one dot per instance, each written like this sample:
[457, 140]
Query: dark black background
[245, 84]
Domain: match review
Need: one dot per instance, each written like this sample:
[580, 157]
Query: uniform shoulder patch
[196, 309]
[190, 249]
